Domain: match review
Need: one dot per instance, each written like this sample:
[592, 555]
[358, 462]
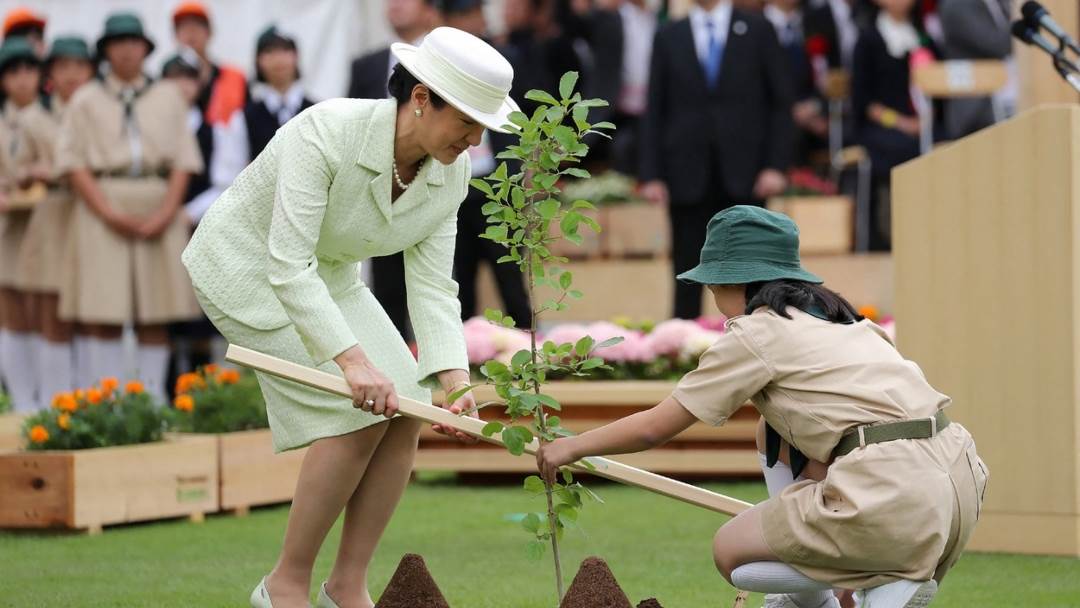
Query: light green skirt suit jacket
[276, 262]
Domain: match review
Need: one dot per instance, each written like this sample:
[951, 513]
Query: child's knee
[723, 556]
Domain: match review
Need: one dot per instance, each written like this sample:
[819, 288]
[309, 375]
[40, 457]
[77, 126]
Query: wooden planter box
[636, 230]
[701, 450]
[11, 432]
[89, 489]
[252, 474]
[826, 223]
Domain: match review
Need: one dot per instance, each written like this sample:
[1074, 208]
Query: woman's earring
[418, 112]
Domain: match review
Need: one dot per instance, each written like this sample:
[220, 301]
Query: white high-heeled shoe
[325, 601]
[260, 597]
[899, 594]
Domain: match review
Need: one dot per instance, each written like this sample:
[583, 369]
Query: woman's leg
[105, 351]
[368, 512]
[332, 469]
[153, 359]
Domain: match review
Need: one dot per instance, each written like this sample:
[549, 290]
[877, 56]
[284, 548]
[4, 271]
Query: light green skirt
[299, 414]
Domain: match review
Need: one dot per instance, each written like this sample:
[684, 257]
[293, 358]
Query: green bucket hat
[16, 48]
[123, 25]
[746, 244]
[71, 47]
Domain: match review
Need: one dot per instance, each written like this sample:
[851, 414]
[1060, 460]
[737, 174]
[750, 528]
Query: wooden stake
[430, 414]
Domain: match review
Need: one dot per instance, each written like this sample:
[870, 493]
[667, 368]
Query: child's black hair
[810, 298]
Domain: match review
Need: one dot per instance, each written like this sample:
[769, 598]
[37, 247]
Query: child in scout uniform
[41, 260]
[23, 164]
[891, 489]
[129, 154]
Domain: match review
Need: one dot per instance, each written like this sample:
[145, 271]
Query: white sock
[777, 477]
[82, 375]
[106, 359]
[899, 594]
[55, 369]
[153, 370]
[18, 355]
[775, 577]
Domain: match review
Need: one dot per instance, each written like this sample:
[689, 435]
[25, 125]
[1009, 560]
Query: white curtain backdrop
[329, 33]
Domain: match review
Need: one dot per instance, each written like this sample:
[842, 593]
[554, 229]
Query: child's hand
[553, 455]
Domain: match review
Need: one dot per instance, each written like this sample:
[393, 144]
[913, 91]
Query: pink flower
[667, 338]
[698, 343]
[479, 340]
[632, 349]
[713, 323]
[567, 332]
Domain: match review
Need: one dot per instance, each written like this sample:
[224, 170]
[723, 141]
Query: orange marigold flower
[189, 381]
[228, 376]
[80, 394]
[184, 403]
[94, 396]
[210, 369]
[65, 402]
[38, 434]
[109, 384]
[64, 421]
[870, 312]
[133, 387]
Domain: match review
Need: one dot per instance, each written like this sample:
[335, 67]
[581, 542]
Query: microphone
[1068, 70]
[1036, 16]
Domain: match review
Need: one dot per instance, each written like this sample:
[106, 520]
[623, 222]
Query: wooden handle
[602, 467]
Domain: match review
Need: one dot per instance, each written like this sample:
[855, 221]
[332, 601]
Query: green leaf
[493, 315]
[610, 342]
[500, 173]
[496, 233]
[493, 368]
[518, 118]
[491, 428]
[582, 173]
[567, 83]
[513, 442]
[531, 523]
[566, 511]
[521, 358]
[542, 97]
[508, 322]
[582, 204]
[574, 293]
[517, 198]
[482, 186]
[534, 484]
[549, 401]
[570, 223]
[548, 208]
[565, 280]
[584, 345]
[604, 125]
[454, 396]
[567, 475]
[592, 103]
[491, 208]
[535, 550]
[593, 363]
[553, 421]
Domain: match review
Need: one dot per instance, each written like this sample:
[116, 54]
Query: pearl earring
[418, 112]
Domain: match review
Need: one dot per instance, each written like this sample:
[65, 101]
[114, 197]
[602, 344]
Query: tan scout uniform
[899, 509]
[17, 158]
[42, 256]
[115, 278]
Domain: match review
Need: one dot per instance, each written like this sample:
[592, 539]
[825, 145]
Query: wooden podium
[986, 237]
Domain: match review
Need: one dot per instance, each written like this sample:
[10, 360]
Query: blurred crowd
[106, 168]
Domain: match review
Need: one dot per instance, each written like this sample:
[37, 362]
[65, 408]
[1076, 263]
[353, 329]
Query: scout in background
[41, 263]
[129, 154]
[22, 169]
[891, 490]
[21, 22]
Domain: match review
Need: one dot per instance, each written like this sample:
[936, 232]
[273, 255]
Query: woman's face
[126, 56]
[896, 7]
[447, 132]
[278, 66]
[730, 299]
[22, 82]
[68, 74]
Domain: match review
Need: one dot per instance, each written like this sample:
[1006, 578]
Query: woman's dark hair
[810, 298]
[21, 62]
[402, 82]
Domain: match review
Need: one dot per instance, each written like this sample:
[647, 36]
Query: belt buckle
[933, 426]
[862, 436]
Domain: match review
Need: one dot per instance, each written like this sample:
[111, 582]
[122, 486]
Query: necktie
[713, 56]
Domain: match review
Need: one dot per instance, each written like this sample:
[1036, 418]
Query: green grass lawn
[656, 547]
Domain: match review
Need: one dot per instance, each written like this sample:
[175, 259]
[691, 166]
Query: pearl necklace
[397, 177]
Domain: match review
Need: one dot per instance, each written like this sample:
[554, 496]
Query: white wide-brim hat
[465, 71]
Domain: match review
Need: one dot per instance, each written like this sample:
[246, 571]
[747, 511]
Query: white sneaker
[899, 594]
[783, 600]
[260, 597]
[325, 601]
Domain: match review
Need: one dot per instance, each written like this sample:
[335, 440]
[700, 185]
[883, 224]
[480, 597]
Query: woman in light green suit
[275, 265]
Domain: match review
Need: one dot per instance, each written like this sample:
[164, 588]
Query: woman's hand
[153, 226]
[371, 390]
[124, 225]
[554, 455]
[452, 381]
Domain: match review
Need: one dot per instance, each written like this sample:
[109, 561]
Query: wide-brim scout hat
[21, 19]
[16, 48]
[465, 71]
[69, 47]
[123, 25]
[191, 10]
[746, 244]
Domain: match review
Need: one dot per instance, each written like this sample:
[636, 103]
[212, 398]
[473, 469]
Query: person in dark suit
[718, 130]
[471, 250]
[974, 29]
[369, 76]
[809, 110]
[834, 26]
